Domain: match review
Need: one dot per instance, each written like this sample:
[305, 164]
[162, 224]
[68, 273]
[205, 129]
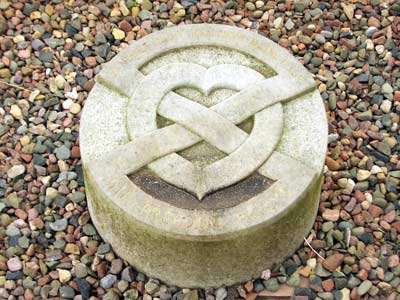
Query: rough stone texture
[144, 113]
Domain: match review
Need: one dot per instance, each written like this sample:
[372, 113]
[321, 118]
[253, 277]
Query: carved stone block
[203, 148]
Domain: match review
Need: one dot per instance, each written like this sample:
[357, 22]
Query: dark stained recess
[224, 198]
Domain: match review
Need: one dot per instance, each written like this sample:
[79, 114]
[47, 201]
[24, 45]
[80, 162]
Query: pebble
[364, 287]
[221, 293]
[84, 288]
[289, 25]
[46, 56]
[151, 287]
[3, 25]
[16, 112]
[145, 15]
[191, 295]
[37, 44]
[294, 279]
[103, 248]
[333, 261]
[250, 6]
[107, 281]
[131, 294]
[278, 23]
[111, 295]
[128, 274]
[116, 266]
[349, 10]
[89, 229]
[118, 34]
[147, 5]
[271, 284]
[59, 225]
[387, 88]
[393, 261]
[81, 270]
[64, 275]
[14, 264]
[365, 116]
[75, 108]
[16, 171]
[331, 215]
[71, 249]
[62, 153]
[5, 73]
[363, 174]
[332, 164]
[67, 292]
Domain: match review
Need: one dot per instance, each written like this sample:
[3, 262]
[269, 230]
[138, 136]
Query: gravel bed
[50, 54]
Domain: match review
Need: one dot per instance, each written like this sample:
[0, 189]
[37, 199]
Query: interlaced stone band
[147, 114]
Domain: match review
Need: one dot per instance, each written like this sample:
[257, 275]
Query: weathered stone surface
[203, 148]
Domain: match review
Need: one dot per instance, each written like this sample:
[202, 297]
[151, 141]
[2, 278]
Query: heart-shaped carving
[216, 125]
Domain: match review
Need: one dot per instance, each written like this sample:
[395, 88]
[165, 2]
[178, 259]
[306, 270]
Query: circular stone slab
[203, 148]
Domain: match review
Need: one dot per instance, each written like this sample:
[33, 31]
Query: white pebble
[386, 106]
[368, 197]
[16, 171]
[72, 95]
[380, 49]
[312, 263]
[67, 104]
[16, 112]
[375, 170]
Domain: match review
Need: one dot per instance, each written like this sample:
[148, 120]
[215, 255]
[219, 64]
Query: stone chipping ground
[50, 54]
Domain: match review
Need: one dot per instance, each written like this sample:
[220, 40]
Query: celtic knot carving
[194, 122]
[157, 148]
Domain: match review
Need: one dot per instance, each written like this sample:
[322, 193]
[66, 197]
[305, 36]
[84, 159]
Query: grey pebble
[67, 292]
[107, 281]
[63, 153]
[59, 225]
[128, 274]
[221, 293]
[37, 44]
